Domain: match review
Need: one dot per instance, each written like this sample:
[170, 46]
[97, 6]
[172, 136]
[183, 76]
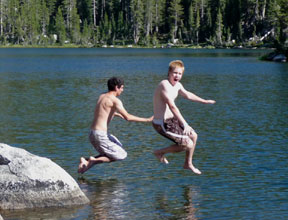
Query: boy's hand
[188, 130]
[150, 119]
[210, 101]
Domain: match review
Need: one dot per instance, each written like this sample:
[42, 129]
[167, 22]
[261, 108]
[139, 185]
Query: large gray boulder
[29, 181]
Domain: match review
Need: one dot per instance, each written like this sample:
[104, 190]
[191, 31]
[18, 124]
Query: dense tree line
[143, 22]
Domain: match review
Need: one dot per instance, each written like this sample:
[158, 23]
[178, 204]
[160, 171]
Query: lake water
[47, 98]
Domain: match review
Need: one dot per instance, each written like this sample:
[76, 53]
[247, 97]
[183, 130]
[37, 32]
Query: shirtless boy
[169, 122]
[109, 147]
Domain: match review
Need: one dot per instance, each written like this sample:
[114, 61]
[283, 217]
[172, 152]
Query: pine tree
[31, 11]
[102, 5]
[196, 21]
[60, 27]
[283, 26]
[94, 12]
[18, 31]
[158, 8]
[191, 23]
[148, 18]
[175, 12]
[84, 10]
[51, 7]
[68, 12]
[272, 12]
[197, 26]
[219, 28]
[233, 17]
[120, 32]
[86, 33]
[209, 23]
[202, 7]
[3, 8]
[44, 17]
[137, 19]
[105, 28]
[13, 23]
[75, 26]
[113, 30]
[240, 31]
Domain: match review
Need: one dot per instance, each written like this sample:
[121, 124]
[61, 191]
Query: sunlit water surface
[47, 97]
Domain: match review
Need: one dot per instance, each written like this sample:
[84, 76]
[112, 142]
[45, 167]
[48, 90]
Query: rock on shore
[30, 181]
[277, 57]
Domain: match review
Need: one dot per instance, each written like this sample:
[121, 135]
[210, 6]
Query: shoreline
[162, 46]
[271, 55]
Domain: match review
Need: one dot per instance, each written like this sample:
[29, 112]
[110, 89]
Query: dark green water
[47, 97]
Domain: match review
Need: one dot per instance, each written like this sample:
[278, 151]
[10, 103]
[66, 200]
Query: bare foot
[194, 169]
[161, 158]
[82, 165]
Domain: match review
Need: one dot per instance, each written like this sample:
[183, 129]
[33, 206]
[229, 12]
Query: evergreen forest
[146, 23]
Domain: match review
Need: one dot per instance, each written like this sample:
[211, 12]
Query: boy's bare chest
[173, 93]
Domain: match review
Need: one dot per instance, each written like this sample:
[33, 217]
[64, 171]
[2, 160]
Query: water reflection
[190, 195]
[179, 206]
[44, 213]
[121, 199]
[108, 198]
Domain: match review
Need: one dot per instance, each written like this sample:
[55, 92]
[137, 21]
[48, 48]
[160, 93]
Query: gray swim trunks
[171, 129]
[107, 145]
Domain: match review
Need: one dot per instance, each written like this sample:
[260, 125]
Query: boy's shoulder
[164, 83]
[106, 97]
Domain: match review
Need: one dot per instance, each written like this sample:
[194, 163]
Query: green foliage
[75, 27]
[60, 27]
[219, 28]
[175, 13]
[137, 10]
[145, 22]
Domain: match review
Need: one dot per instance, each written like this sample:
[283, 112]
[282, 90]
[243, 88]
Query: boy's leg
[85, 165]
[174, 148]
[189, 154]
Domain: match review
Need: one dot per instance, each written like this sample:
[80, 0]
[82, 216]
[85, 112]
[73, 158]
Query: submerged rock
[29, 181]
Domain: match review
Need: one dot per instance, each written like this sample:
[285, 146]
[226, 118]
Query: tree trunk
[202, 9]
[94, 13]
[1, 18]
[102, 9]
[264, 10]
[156, 17]
[148, 18]
[257, 9]
[175, 26]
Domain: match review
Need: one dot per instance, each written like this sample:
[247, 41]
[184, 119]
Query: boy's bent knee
[187, 144]
[194, 135]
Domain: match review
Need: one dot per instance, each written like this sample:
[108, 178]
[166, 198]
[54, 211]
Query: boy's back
[104, 111]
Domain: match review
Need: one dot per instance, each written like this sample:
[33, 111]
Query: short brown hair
[114, 82]
[175, 63]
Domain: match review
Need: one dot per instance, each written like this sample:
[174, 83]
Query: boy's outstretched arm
[192, 97]
[125, 115]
